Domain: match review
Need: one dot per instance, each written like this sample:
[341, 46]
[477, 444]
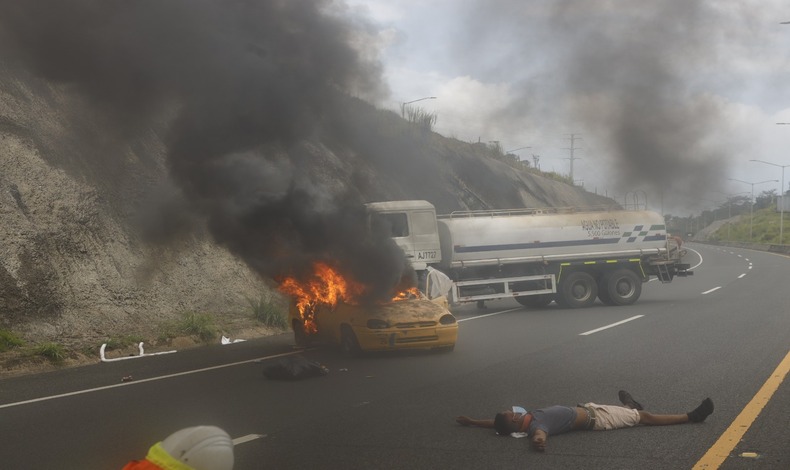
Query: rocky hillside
[99, 239]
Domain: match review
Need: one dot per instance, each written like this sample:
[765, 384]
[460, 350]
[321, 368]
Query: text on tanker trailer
[537, 255]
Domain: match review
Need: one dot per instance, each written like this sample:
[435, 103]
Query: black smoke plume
[243, 85]
[633, 78]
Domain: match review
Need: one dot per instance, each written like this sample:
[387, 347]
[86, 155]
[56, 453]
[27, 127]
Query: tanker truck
[537, 256]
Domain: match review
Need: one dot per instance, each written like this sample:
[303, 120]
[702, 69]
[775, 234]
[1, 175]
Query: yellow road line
[719, 452]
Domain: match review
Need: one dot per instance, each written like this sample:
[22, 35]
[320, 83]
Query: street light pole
[751, 202]
[403, 105]
[782, 195]
[516, 150]
[729, 209]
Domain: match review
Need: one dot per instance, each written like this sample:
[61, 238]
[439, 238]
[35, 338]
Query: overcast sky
[671, 98]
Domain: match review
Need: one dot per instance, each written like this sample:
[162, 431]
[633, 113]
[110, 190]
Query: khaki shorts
[613, 417]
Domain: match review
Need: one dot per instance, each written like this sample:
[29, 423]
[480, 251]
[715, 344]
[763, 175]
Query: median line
[610, 326]
[724, 446]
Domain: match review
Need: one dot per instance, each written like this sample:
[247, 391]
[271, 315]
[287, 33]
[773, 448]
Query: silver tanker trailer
[537, 255]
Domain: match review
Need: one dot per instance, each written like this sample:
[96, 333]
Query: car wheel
[624, 287]
[301, 338]
[578, 289]
[348, 341]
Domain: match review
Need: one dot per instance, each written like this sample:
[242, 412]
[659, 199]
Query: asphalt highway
[722, 333]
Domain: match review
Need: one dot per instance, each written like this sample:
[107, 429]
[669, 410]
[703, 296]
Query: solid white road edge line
[152, 379]
[711, 290]
[700, 258]
[610, 326]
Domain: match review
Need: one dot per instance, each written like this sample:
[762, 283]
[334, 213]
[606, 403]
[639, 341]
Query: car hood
[400, 311]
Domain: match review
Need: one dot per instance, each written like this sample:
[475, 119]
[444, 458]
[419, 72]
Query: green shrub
[167, 331]
[199, 325]
[51, 351]
[268, 310]
[9, 340]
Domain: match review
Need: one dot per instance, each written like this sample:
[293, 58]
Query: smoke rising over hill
[241, 84]
[635, 79]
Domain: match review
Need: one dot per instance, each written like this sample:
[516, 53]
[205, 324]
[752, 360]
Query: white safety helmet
[201, 447]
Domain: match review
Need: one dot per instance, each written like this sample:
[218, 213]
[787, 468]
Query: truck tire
[623, 287]
[603, 292]
[576, 290]
[348, 342]
[535, 301]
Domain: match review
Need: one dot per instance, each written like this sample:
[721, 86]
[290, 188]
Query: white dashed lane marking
[610, 326]
[247, 438]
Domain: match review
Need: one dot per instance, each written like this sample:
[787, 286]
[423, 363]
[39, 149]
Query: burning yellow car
[407, 324]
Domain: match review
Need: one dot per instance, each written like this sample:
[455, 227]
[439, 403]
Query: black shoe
[702, 411]
[627, 400]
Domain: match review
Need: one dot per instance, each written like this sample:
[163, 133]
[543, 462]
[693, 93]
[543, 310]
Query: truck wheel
[535, 301]
[348, 342]
[300, 337]
[603, 291]
[623, 287]
[578, 289]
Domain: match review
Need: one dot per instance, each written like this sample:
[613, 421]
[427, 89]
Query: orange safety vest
[157, 459]
[141, 465]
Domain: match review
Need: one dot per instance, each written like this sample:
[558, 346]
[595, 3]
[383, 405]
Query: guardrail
[123, 358]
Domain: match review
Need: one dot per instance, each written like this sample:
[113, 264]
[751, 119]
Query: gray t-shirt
[554, 419]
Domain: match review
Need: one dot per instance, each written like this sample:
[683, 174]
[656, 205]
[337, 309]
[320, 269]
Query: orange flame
[326, 286]
[410, 293]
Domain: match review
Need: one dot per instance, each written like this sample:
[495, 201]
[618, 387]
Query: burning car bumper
[442, 337]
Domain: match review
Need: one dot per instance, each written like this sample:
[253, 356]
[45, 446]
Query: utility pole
[572, 138]
[536, 159]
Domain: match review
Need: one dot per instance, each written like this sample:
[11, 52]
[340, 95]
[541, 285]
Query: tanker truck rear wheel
[576, 290]
[535, 301]
[623, 287]
[603, 291]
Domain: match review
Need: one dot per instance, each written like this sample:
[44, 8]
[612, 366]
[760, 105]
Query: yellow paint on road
[719, 452]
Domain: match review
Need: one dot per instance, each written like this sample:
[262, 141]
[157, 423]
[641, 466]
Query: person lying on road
[541, 423]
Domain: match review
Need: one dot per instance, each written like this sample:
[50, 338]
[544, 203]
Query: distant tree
[765, 199]
[736, 205]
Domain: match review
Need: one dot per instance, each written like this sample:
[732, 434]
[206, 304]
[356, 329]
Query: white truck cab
[413, 227]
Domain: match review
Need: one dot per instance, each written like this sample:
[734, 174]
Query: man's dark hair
[503, 425]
